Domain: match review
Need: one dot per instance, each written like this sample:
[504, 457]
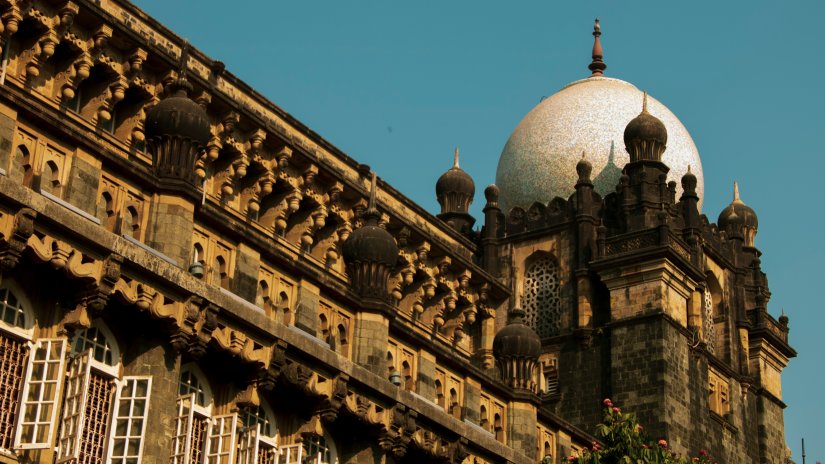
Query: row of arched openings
[100, 415]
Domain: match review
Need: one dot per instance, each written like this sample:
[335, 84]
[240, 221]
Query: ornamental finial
[644, 102]
[455, 158]
[736, 192]
[597, 66]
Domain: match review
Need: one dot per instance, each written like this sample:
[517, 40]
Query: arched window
[283, 307]
[540, 300]
[498, 427]
[96, 396]
[258, 444]
[483, 418]
[51, 179]
[710, 333]
[22, 166]
[714, 323]
[106, 211]
[321, 449]
[439, 393]
[15, 329]
[455, 406]
[194, 411]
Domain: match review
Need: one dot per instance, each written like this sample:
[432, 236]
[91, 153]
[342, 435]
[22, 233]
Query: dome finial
[372, 212]
[597, 66]
[181, 85]
[736, 198]
[455, 158]
[644, 102]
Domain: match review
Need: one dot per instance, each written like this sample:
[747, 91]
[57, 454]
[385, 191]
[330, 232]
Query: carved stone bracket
[12, 245]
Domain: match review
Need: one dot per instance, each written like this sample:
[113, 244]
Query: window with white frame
[320, 449]
[101, 410]
[30, 373]
[258, 436]
[199, 435]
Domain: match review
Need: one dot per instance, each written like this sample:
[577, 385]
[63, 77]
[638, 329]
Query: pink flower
[695, 459]
[607, 403]
[645, 447]
[639, 428]
[662, 443]
[703, 452]
[572, 459]
[617, 410]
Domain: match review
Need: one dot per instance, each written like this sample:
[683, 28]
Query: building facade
[189, 274]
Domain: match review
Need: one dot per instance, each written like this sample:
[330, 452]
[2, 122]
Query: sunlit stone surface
[539, 161]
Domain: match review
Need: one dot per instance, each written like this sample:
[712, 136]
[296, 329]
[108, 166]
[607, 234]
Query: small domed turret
[584, 168]
[370, 253]
[645, 137]
[739, 219]
[516, 348]
[455, 190]
[177, 129]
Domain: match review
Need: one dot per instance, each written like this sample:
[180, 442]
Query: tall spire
[455, 159]
[597, 66]
[736, 198]
[644, 102]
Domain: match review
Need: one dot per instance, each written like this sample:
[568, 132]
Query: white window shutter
[182, 441]
[248, 449]
[44, 374]
[128, 429]
[220, 442]
[74, 407]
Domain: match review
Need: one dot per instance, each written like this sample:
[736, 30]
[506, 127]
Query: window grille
[710, 331]
[129, 428]
[12, 361]
[540, 301]
[44, 373]
[255, 447]
[192, 427]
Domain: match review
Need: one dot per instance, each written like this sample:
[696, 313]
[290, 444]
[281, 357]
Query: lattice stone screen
[710, 333]
[540, 301]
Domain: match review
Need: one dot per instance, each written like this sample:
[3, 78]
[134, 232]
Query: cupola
[455, 190]
[177, 129]
[739, 220]
[645, 137]
[370, 253]
[517, 348]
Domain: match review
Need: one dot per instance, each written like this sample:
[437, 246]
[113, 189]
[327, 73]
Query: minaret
[454, 191]
[177, 130]
[370, 253]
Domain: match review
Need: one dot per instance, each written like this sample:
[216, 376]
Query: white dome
[539, 161]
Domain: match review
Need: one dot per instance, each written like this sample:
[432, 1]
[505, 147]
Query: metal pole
[803, 451]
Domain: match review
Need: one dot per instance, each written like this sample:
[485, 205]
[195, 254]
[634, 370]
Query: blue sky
[397, 85]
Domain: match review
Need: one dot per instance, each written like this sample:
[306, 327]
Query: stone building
[189, 274]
